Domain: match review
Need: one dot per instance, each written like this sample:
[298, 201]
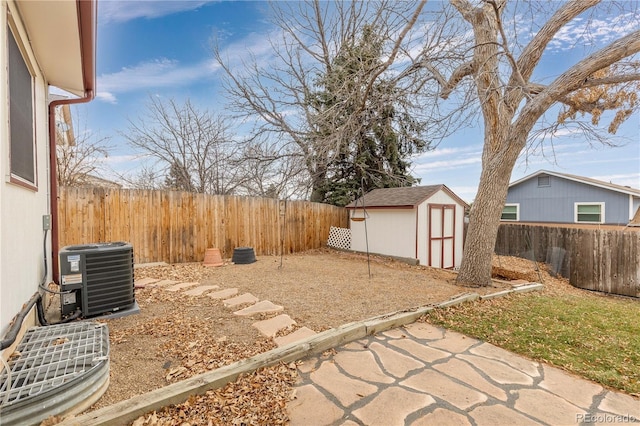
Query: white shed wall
[390, 232]
[21, 209]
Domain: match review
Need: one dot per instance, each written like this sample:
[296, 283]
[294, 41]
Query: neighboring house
[554, 197]
[44, 43]
[98, 182]
[64, 122]
[420, 223]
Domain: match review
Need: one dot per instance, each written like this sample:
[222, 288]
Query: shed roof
[582, 179]
[407, 197]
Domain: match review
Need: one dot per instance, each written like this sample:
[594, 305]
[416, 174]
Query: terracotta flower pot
[213, 257]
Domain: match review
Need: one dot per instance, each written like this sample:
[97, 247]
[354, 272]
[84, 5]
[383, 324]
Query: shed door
[442, 231]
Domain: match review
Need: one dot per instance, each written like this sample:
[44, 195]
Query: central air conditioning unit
[96, 278]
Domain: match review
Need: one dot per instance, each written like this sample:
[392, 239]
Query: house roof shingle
[582, 179]
[400, 197]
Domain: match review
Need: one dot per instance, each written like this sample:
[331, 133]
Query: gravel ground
[177, 336]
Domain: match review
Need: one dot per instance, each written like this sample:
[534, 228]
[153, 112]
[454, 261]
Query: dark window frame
[516, 213]
[22, 136]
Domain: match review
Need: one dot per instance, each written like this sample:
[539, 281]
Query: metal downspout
[87, 19]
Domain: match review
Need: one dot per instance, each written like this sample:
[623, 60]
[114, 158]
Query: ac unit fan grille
[109, 278]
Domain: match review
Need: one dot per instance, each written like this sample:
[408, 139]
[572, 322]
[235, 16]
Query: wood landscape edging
[128, 410]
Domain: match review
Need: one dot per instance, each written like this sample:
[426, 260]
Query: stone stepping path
[182, 286]
[201, 289]
[299, 334]
[162, 283]
[223, 294]
[262, 307]
[270, 327]
[243, 299]
[229, 296]
[144, 282]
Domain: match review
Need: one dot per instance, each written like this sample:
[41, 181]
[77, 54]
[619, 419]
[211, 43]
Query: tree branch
[532, 53]
[394, 51]
[616, 79]
[464, 70]
[575, 78]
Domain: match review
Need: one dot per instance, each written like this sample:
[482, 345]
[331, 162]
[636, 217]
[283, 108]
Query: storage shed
[420, 223]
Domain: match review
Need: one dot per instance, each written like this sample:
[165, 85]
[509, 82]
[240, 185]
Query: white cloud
[165, 72]
[442, 152]
[567, 132]
[114, 160]
[447, 164]
[581, 32]
[467, 193]
[154, 74]
[122, 11]
[106, 97]
[447, 158]
[252, 47]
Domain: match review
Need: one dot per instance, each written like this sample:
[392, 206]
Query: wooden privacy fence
[593, 259]
[179, 226]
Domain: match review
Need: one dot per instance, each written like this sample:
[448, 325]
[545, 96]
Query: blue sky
[163, 48]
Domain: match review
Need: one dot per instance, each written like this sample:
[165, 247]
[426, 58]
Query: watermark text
[606, 418]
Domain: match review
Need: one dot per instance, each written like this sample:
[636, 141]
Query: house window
[511, 212]
[589, 212]
[544, 181]
[22, 149]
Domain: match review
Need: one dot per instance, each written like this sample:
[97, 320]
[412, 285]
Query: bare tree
[79, 154]
[270, 171]
[281, 96]
[502, 72]
[144, 177]
[193, 147]
[474, 56]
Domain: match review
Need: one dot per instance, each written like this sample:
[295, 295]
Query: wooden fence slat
[178, 227]
[603, 260]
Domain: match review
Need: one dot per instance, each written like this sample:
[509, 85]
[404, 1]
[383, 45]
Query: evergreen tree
[371, 139]
[178, 178]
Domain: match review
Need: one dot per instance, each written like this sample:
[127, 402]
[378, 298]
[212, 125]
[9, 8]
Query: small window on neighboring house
[544, 181]
[511, 212]
[589, 212]
[22, 149]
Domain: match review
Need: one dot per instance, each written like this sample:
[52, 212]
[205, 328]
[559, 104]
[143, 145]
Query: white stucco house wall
[44, 43]
[424, 224]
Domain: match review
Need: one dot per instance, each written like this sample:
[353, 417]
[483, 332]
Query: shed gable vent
[544, 180]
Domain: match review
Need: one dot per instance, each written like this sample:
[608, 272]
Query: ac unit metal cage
[98, 278]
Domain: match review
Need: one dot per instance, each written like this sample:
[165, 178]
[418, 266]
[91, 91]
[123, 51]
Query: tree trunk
[318, 175]
[484, 222]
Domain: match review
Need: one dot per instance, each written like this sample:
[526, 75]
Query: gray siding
[555, 203]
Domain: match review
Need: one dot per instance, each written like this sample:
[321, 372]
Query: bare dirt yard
[176, 336]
